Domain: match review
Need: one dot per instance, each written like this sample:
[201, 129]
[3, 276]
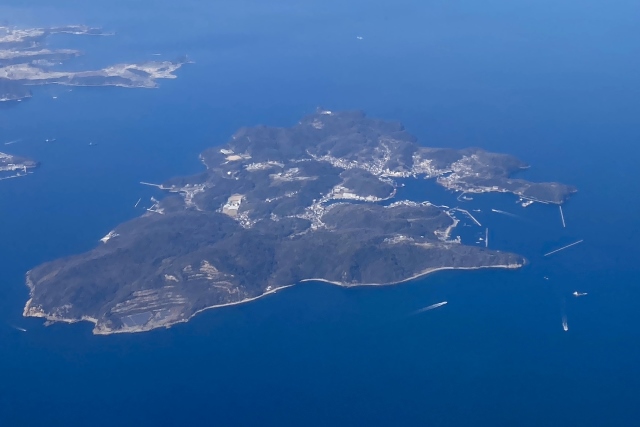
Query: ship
[430, 307]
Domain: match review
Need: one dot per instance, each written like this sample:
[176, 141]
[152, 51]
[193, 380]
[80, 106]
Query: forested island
[276, 207]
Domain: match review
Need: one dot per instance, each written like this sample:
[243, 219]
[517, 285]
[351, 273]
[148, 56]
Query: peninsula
[26, 61]
[276, 207]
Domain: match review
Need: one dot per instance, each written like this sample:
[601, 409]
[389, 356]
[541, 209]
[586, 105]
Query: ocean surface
[555, 84]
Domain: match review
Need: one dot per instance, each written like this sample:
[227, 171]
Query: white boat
[430, 307]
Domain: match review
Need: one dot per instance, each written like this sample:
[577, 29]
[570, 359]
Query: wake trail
[428, 308]
[564, 247]
[504, 213]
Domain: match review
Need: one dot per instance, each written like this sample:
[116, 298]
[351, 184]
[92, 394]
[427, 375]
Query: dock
[150, 184]
[466, 212]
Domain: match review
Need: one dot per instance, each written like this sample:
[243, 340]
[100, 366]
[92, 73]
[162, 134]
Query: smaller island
[26, 61]
[15, 166]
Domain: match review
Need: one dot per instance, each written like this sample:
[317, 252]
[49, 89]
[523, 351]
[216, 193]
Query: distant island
[25, 61]
[276, 207]
[14, 166]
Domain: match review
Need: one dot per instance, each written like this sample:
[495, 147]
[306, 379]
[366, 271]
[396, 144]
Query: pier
[466, 212]
[155, 207]
[151, 185]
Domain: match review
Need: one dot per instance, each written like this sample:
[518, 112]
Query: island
[14, 166]
[26, 61]
[276, 207]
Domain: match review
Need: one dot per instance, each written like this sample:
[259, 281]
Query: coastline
[168, 325]
[416, 276]
[29, 311]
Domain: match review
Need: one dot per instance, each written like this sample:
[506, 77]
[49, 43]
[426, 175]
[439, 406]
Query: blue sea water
[554, 83]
